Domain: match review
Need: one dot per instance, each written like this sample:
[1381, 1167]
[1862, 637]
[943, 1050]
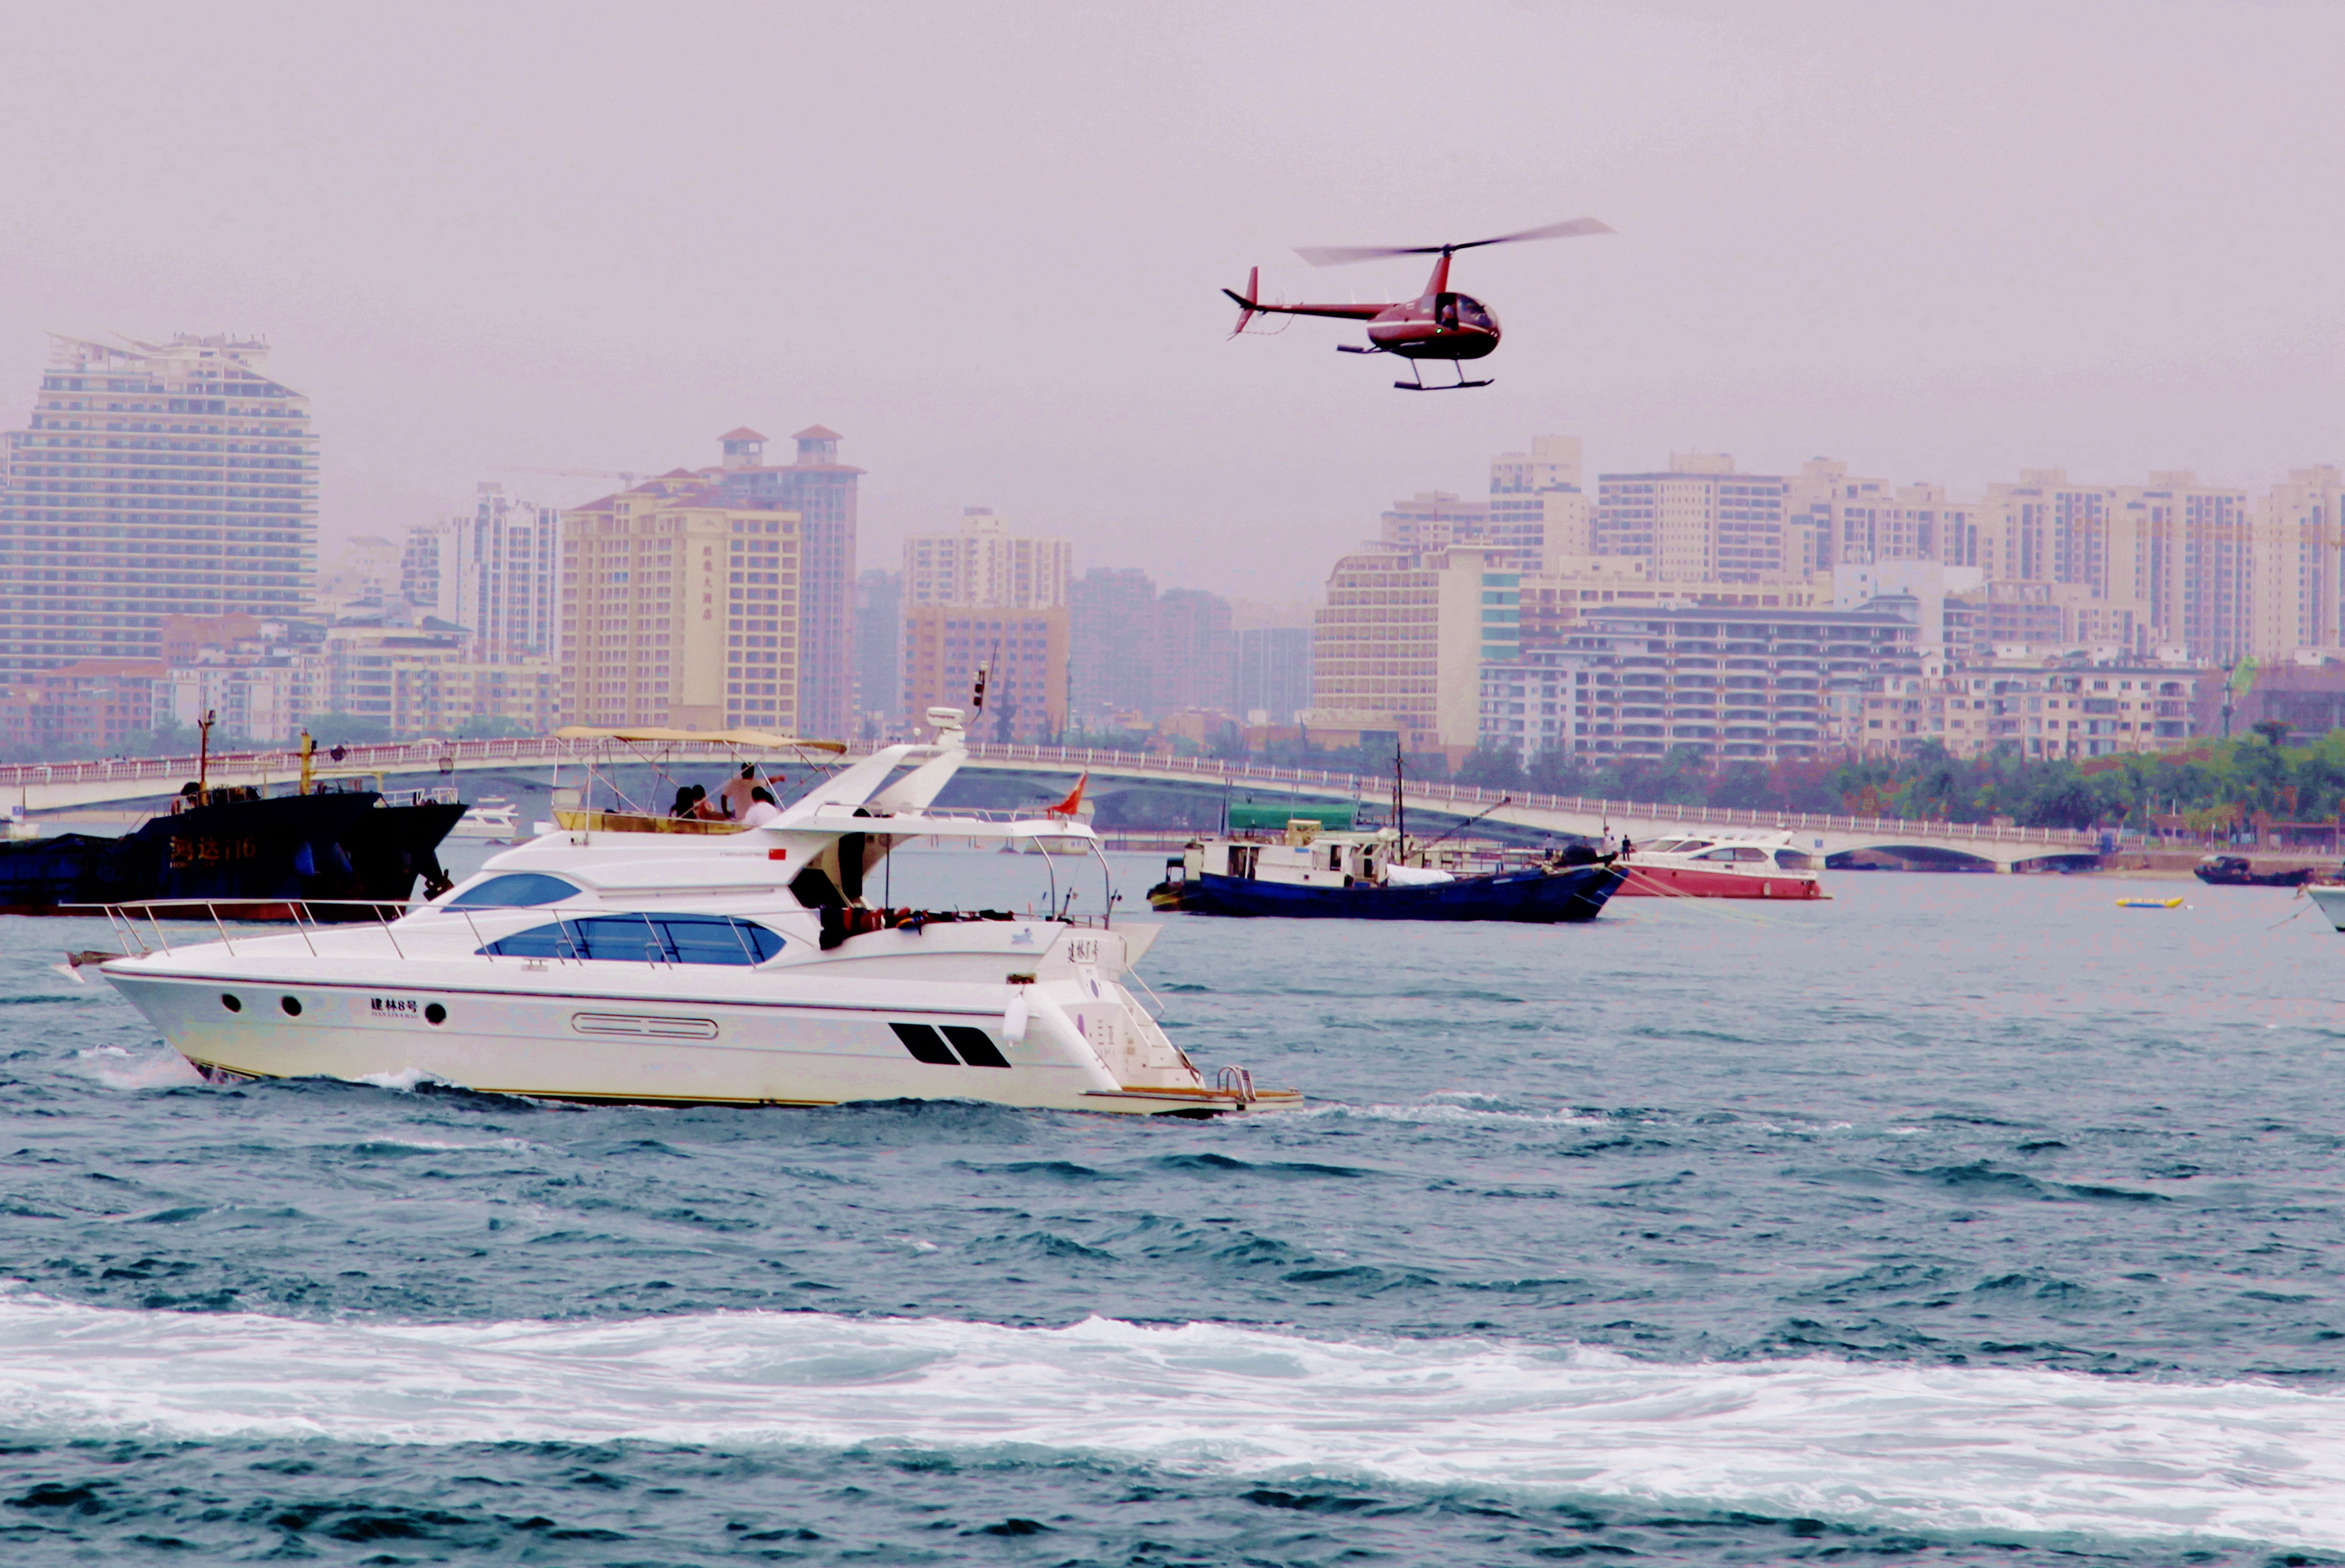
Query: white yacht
[1728, 864]
[641, 959]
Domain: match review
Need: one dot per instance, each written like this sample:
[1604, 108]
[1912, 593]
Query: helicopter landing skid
[1453, 386]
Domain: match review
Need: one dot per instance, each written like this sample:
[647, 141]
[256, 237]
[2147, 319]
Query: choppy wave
[1935, 1449]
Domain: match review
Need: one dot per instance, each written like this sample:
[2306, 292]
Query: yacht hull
[564, 1032]
[1545, 897]
[1686, 882]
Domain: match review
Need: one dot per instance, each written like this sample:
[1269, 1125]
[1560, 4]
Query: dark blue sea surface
[1956, 1220]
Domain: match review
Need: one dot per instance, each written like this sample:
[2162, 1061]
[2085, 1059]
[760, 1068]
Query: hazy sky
[984, 242]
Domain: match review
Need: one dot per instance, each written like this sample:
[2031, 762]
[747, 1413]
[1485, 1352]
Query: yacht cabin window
[515, 890]
[645, 939]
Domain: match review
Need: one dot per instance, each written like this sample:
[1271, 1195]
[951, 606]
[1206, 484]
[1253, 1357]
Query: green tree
[1492, 765]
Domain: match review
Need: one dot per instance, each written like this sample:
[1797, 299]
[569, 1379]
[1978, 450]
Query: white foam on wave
[1460, 1109]
[1951, 1450]
[120, 1068]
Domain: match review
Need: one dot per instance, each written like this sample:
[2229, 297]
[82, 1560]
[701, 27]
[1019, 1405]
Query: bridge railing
[394, 756]
[1473, 798]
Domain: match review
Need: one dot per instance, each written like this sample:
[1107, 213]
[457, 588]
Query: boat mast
[204, 755]
[1400, 815]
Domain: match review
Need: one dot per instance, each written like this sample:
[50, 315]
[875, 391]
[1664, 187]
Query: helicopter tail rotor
[1245, 301]
[1337, 255]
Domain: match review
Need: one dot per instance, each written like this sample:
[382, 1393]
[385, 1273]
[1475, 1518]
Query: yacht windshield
[515, 890]
[645, 939]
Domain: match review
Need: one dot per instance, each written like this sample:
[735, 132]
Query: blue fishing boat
[1380, 874]
[1541, 895]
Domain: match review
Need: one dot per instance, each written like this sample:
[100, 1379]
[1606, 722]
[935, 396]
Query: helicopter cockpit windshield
[1453, 312]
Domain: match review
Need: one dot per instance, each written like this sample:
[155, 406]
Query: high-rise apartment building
[2181, 558]
[820, 490]
[1195, 657]
[1398, 647]
[1112, 615]
[987, 597]
[1433, 519]
[154, 479]
[878, 650]
[1024, 655]
[1538, 510]
[2300, 563]
[679, 609]
[1699, 521]
[493, 572]
[986, 564]
[1838, 520]
[1274, 672]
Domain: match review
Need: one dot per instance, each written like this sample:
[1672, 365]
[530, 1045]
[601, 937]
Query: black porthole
[231, 1003]
[292, 1005]
[433, 1013]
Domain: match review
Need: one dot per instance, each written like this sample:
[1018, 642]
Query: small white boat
[2330, 897]
[490, 818]
[634, 958]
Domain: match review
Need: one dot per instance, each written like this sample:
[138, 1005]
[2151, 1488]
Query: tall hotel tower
[821, 490]
[155, 479]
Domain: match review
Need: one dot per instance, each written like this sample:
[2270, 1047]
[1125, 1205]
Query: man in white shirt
[737, 793]
[762, 809]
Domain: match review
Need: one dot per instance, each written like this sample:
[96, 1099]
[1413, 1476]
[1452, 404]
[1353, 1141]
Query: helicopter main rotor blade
[1337, 255]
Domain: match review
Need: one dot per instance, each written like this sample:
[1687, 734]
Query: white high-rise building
[1698, 521]
[154, 479]
[1539, 510]
[2299, 600]
[985, 565]
[496, 573]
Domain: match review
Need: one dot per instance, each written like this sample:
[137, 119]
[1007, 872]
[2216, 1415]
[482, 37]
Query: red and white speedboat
[1721, 866]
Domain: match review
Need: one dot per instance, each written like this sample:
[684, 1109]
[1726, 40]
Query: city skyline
[1959, 247]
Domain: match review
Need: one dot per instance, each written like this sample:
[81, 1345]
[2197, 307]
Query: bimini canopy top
[653, 736]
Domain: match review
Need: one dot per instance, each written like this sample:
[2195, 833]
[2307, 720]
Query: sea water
[1956, 1219]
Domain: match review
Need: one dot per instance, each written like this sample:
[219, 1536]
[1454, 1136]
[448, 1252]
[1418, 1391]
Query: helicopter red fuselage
[1436, 327]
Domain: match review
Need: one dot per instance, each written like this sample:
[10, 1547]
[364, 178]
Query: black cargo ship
[255, 854]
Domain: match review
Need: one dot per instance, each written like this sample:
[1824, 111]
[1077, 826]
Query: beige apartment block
[1842, 519]
[1700, 521]
[2185, 552]
[2045, 710]
[2300, 559]
[1023, 652]
[986, 564]
[680, 610]
[1399, 645]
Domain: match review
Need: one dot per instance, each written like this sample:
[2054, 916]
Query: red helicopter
[1439, 324]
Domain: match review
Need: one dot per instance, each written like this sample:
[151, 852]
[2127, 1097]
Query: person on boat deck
[762, 809]
[739, 792]
[687, 801]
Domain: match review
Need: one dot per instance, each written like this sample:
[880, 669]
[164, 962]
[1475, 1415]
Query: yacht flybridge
[626, 957]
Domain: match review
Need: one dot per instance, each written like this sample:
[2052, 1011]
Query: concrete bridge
[52, 786]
